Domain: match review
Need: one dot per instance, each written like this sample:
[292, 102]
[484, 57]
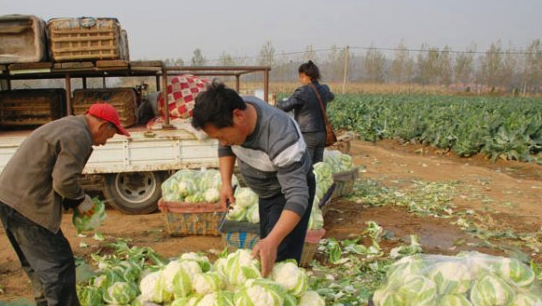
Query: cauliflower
[294, 279]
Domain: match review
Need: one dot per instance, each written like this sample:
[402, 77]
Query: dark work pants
[271, 209]
[316, 143]
[46, 258]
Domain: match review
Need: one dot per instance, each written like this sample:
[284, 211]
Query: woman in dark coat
[307, 111]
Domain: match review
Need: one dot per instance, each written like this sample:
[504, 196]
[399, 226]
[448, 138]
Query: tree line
[504, 68]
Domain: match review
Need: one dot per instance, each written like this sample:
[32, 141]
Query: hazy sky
[170, 29]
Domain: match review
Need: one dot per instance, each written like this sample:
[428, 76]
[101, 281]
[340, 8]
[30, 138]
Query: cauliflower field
[405, 207]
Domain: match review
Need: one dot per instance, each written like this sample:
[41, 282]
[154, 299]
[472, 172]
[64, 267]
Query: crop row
[498, 127]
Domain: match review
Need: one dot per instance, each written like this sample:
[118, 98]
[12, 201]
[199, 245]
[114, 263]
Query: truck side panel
[166, 150]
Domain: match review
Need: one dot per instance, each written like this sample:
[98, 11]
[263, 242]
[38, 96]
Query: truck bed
[156, 151]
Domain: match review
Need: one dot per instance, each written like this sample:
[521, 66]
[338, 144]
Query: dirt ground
[515, 191]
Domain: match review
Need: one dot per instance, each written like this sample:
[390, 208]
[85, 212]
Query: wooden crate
[239, 235]
[123, 99]
[183, 219]
[83, 39]
[22, 39]
[31, 107]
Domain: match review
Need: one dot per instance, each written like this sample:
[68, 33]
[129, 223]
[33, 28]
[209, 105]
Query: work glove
[86, 207]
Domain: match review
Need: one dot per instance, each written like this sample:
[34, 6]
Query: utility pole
[346, 59]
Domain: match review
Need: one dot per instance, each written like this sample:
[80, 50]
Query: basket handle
[87, 22]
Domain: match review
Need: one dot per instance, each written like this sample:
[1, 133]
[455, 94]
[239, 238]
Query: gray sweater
[274, 158]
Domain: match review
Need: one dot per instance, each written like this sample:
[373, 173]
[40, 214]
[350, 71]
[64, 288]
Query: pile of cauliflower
[194, 186]
[191, 279]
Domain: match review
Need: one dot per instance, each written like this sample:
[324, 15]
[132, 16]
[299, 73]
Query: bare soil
[514, 188]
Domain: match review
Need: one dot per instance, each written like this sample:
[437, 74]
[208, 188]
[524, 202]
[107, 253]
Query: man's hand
[226, 195]
[86, 208]
[266, 249]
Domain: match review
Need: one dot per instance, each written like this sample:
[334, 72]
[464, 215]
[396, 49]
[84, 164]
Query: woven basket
[239, 235]
[84, 39]
[31, 107]
[344, 183]
[311, 246]
[124, 100]
[183, 219]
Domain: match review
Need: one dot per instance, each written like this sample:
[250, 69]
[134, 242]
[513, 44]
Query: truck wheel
[134, 193]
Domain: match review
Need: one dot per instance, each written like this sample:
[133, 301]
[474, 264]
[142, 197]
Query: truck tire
[134, 193]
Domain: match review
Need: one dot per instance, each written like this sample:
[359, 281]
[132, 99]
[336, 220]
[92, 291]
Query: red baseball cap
[107, 112]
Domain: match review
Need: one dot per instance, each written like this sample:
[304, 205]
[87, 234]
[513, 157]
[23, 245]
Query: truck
[129, 171]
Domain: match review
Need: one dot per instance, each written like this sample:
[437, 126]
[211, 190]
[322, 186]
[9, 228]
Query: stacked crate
[123, 99]
[31, 107]
[22, 39]
[86, 39]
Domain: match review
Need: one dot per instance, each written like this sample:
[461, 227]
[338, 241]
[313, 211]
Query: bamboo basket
[183, 219]
[31, 107]
[124, 100]
[84, 39]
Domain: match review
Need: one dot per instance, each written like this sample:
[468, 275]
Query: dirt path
[509, 192]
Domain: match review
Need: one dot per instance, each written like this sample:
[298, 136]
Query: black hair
[215, 106]
[311, 70]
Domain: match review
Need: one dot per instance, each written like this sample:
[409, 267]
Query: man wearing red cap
[40, 179]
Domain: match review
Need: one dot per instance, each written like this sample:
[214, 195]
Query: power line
[387, 49]
[448, 50]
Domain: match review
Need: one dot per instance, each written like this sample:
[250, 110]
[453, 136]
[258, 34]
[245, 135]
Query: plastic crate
[183, 219]
[311, 245]
[123, 99]
[84, 39]
[22, 39]
[239, 235]
[344, 183]
[31, 107]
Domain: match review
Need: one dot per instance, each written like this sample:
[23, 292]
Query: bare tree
[335, 63]
[374, 65]
[427, 65]
[174, 62]
[198, 59]
[402, 65]
[532, 67]
[267, 55]
[310, 54]
[464, 65]
[282, 68]
[491, 65]
[225, 59]
[510, 64]
[445, 68]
